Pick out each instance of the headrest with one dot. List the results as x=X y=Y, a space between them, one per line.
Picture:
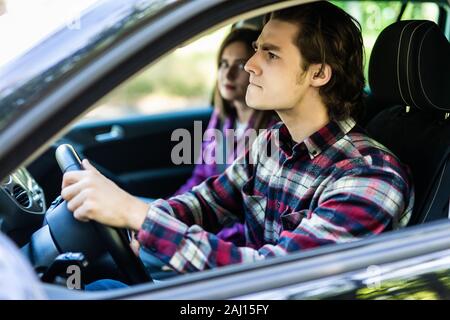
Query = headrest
x=410 y=65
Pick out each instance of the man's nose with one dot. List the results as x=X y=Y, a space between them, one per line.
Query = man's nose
x=252 y=66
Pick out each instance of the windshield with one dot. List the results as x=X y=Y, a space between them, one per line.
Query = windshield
x=61 y=47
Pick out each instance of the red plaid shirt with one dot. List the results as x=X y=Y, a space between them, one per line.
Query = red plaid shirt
x=338 y=185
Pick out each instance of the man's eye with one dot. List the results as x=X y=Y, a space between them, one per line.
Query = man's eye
x=272 y=56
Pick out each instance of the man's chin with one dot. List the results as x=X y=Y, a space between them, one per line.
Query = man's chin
x=257 y=106
x=254 y=103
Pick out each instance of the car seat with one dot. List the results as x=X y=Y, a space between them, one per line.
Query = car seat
x=409 y=69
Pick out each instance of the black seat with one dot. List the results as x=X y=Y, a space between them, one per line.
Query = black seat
x=410 y=69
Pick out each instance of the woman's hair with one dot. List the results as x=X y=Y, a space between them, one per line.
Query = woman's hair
x=225 y=109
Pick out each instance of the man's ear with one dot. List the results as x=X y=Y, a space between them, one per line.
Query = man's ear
x=320 y=74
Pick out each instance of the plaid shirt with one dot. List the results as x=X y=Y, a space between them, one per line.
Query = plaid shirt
x=338 y=185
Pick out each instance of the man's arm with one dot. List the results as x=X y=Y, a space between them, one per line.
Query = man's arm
x=92 y=196
x=218 y=200
x=357 y=205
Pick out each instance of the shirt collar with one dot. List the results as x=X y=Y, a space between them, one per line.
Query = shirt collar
x=319 y=140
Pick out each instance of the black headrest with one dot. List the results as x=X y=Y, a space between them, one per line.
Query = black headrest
x=410 y=65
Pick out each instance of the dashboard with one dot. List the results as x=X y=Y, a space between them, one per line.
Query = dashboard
x=22 y=205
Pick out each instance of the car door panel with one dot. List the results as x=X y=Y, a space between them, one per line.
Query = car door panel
x=134 y=152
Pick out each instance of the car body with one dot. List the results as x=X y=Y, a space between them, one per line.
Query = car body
x=46 y=89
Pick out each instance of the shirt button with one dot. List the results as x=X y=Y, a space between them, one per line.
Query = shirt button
x=314 y=152
x=278 y=204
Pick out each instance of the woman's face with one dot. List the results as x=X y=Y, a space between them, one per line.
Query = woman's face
x=232 y=78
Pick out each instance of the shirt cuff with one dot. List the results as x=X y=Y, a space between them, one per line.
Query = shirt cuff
x=161 y=233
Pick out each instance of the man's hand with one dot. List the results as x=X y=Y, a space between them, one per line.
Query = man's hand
x=92 y=196
x=134 y=244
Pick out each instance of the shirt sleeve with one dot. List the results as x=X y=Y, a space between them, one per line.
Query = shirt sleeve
x=172 y=229
x=360 y=203
x=213 y=204
x=363 y=202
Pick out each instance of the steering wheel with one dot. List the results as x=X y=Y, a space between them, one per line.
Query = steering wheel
x=71 y=235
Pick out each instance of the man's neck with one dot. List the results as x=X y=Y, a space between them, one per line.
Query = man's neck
x=305 y=119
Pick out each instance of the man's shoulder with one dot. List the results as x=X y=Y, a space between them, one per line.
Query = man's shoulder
x=359 y=144
x=357 y=149
x=359 y=155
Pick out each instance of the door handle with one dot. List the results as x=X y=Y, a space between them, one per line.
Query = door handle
x=116 y=133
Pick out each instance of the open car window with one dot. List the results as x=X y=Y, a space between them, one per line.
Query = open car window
x=135 y=151
x=185 y=78
x=181 y=80
x=374 y=16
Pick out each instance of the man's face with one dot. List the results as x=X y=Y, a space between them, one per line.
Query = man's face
x=277 y=80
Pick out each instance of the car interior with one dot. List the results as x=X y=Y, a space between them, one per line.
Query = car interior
x=409 y=70
x=407 y=110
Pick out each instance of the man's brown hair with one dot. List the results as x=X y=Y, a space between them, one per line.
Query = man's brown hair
x=329 y=35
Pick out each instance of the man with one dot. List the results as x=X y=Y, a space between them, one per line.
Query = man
x=328 y=183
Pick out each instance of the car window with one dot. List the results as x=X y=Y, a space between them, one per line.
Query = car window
x=181 y=80
x=375 y=16
x=68 y=48
x=33 y=21
x=185 y=78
